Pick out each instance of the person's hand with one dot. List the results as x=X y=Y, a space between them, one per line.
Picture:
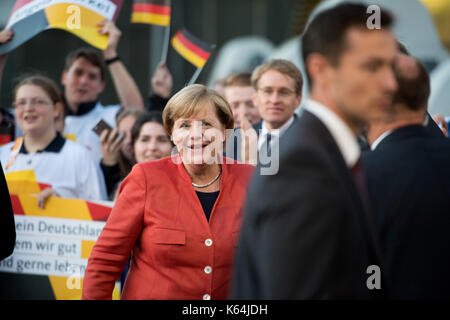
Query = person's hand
x=44 y=195
x=440 y=121
x=162 y=81
x=109 y=28
x=111 y=143
x=6 y=35
x=249 y=145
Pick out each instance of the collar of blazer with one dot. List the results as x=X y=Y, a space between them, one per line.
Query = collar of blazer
x=408 y=132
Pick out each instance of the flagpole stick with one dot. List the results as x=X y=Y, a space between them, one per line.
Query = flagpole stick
x=195 y=76
x=165 y=44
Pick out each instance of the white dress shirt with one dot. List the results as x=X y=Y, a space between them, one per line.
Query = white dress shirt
x=379 y=139
x=341 y=133
x=276 y=133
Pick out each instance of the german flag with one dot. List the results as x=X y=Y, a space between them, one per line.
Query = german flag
x=151 y=12
x=192 y=49
x=30 y=17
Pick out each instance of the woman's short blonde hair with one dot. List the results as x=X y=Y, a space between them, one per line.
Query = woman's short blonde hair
x=190 y=100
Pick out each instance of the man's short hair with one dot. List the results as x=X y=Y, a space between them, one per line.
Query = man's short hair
x=95 y=57
x=282 y=66
x=326 y=33
x=413 y=92
x=243 y=79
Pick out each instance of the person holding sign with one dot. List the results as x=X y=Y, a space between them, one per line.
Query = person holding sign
x=84 y=77
x=178 y=217
x=42 y=161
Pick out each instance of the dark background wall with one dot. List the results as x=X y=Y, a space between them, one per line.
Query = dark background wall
x=214 y=21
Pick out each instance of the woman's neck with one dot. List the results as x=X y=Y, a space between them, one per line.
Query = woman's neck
x=34 y=141
x=203 y=174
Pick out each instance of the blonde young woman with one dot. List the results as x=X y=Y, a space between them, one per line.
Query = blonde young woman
x=179 y=216
x=61 y=167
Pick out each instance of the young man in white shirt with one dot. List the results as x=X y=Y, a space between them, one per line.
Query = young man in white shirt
x=83 y=79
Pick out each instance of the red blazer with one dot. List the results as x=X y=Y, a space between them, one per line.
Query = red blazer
x=176 y=253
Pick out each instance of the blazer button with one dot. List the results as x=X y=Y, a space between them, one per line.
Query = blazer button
x=208 y=242
x=208 y=269
x=206 y=297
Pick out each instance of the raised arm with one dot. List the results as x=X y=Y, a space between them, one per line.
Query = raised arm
x=5 y=36
x=125 y=86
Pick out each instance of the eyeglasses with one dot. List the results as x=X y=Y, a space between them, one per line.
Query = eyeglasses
x=283 y=92
x=35 y=102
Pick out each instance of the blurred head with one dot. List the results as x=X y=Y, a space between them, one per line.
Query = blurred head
x=278 y=88
x=149 y=138
x=37 y=103
x=125 y=121
x=413 y=84
x=349 y=67
x=83 y=77
x=197 y=118
x=238 y=91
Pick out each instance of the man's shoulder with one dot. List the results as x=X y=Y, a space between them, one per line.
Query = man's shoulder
x=306 y=132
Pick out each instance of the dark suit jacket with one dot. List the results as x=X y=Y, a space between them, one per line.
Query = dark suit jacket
x=408 y=176
x=7 y=226
x=305 y=233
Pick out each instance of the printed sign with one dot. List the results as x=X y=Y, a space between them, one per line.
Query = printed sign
x=80 y=17
x=52 y=248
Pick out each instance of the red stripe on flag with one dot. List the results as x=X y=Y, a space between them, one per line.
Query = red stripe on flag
x=16 y=206
x=192 y=47
x=19 y=4
x=44 y=186
x=5 y=138
x=98 y=212
x=151 y=8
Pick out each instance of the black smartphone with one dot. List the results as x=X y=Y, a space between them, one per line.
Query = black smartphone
x=100 y=126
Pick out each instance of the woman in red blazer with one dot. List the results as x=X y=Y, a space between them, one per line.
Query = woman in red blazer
x=179 y=217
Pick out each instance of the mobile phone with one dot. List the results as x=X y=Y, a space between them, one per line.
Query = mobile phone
x=100 y=126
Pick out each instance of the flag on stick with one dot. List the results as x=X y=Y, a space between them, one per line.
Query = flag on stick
x=151 y=12
x=190 y=48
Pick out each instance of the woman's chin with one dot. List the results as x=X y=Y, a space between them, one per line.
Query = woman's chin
x=198 y=157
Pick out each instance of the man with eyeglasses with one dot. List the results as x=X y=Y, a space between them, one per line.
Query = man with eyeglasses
x=278 y=88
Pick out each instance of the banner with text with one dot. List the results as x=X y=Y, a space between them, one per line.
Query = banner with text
x=79 y=17
x=52 y=247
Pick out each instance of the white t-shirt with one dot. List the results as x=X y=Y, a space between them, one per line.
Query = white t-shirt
x=66 y=166
x=81 y=126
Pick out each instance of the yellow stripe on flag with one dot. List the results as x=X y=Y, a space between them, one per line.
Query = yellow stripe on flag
x=67 y=288
x=187 y=54
x=143 y=17
x=86 y=248
x=78 y=20
x=56 y=208
x=23 y=181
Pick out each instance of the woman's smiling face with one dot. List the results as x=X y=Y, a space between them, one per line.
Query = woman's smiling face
x=35 y=110
x=199 y=138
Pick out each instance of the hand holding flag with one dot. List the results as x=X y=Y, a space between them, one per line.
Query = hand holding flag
x=155 y=12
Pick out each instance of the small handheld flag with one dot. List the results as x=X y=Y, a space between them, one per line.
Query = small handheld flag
x=151 y=12
x=190 y=48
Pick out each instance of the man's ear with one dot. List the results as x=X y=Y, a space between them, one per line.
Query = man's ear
x=63 y=77
x=317 y=66
x=255 y=98
x=103 y=86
